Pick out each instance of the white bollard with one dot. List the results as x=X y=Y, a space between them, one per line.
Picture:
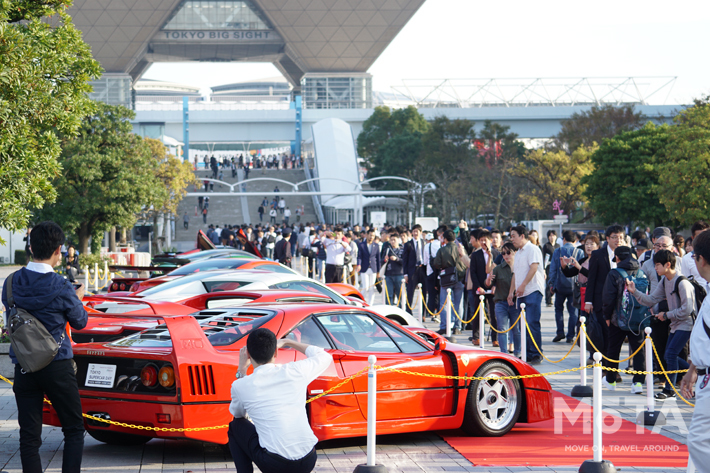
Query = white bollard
x=306 y=274
x=597 y=420
x=448 y=313
x=371 y=466
x=420 y=295
x=523 y=334
x=582 y=390
x=650 y=416
x=96 y=277
x=481 y=322
x=403 y=296
x=322 y=271
x=597 y=465
x=86 y=278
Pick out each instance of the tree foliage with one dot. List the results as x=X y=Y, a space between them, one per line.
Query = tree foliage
x=554 y=175
x=44 y=72
x=684 y=165
x=174 y=174
x=385 y=158
x=599 y=122
x=109 y=175
x=622 y=187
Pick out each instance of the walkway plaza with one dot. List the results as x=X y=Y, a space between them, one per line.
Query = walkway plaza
x=420 y=452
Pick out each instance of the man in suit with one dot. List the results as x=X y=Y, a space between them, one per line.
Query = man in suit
x=414 y=269
x=600 y=263
x=282 y=248
x=368 y=264
x=480 y=265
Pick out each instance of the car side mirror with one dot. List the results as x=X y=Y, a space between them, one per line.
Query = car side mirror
x=439 y=345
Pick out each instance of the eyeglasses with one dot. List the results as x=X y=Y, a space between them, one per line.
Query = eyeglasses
x=658 y=245
x=506 y=253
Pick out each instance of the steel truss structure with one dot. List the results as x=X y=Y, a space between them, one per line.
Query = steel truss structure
x=531 y=92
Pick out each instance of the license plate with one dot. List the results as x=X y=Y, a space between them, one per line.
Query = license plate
x=100 y=376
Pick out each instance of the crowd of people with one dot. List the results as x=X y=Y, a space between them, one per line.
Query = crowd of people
x=246 y=162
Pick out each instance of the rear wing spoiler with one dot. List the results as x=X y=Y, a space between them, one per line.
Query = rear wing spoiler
x=158 y=308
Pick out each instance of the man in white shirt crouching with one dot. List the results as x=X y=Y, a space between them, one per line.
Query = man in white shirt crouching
x=280 y=438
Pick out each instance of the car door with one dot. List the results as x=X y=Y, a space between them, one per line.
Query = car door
x=399 y=396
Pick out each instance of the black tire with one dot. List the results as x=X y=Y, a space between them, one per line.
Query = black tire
x=118 y=438
x=492 y=412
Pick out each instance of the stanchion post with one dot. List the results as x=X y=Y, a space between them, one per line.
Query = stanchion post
x=523 y=334
x=322 y=271
x=403 y=296
x=96 y=277
x=650 y=416
x=481 y=322
x=598 y=465
x=582 y=390
x=86 y=278
x=306 y=275
x=448 y=313
x=420 y=295
x=371 y=466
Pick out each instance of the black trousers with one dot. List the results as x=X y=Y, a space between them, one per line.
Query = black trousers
x=432 y=291
x=333 y=273
x=246 y=450
x=614 y=342
x=58 y=382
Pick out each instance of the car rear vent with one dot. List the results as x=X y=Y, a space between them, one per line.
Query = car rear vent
x=201 y=380
x=208 y=313
x=158 y=333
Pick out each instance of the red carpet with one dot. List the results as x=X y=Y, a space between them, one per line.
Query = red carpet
x=538 y=444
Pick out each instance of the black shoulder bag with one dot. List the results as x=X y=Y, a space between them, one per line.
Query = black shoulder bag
x=33 y=345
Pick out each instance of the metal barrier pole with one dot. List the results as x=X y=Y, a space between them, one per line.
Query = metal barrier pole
x=523 y=334
x=481 y=322
x=403 y=296
x=650 y=416
x=96 y=277
x=306 y=275
x=582 y=390
x=322 y=271
x=86 y=278
x=371 y=465
x=597 y=465
x=448 y=313
x=420 y=295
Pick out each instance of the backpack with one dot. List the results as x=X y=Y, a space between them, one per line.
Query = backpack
x=631 y=315
x=698 y=289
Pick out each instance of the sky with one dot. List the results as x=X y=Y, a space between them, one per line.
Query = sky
x=474 y=39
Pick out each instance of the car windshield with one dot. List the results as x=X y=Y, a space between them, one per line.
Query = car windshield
x=211 y=264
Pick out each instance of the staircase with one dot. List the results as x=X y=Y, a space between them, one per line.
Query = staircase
x=237 y=210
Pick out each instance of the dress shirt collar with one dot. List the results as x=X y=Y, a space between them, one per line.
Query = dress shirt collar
x=41 y=268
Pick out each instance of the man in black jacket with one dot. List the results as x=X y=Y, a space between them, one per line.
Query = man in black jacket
x=414 y=270
x=282 y=250
x=548 y=249
x=600 y=263
x=54 y=302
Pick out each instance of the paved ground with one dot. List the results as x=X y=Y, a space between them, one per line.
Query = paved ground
x=422 y=452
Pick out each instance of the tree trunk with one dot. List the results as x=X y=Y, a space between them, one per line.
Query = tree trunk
x=84 y=233
x=123 y=236
x=112 y=239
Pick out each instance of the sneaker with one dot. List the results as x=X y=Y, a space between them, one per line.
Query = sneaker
x=637 y=388
x=457 y=331
x=608 y=385
x=558 y=338
x=663 y=395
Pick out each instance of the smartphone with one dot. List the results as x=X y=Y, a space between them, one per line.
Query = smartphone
x=76 y=285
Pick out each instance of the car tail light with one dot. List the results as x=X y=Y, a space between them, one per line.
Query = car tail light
x=166 y=376
x=123 y=287
x=134 y=287
x=149 y=375
x=114 y=287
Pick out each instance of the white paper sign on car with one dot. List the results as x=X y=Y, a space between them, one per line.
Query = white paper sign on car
x=100 y=376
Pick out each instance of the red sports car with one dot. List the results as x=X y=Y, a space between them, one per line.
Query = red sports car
x=178 y=375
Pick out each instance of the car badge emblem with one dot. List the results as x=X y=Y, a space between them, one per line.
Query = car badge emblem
x=464 y=359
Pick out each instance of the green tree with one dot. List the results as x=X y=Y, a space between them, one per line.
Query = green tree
x=597 y=123
x=684 y=165
x=382 y=158
x=622 y=186
x=44 y=72
x=109 y=176
x=554 y=175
